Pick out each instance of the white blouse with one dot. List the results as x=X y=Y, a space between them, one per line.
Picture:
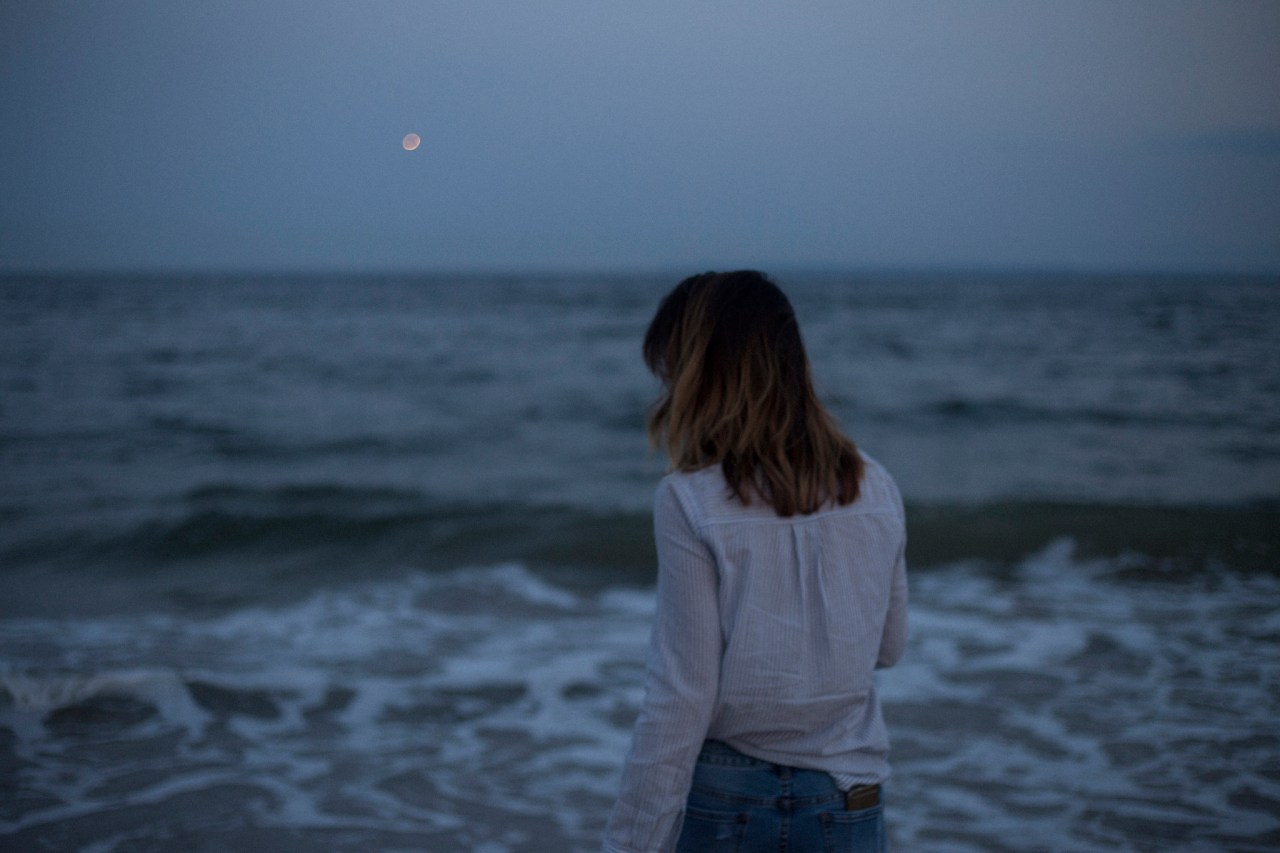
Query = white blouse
x=767 y=632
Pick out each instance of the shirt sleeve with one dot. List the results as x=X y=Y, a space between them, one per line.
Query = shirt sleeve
x=681 y=682
x=893 y=641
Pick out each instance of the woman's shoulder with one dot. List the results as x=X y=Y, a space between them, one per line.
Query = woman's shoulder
x=873 y=470
x=698 y=488
x=878 y=485
x=705 y=496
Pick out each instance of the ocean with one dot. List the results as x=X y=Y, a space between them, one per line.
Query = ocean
x=342 y=562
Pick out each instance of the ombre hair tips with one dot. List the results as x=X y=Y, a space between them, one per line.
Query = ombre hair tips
x=737 y=392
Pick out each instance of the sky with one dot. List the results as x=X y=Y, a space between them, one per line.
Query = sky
x=572 y=136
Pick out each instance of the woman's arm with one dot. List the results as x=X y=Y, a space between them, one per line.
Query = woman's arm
x=683 y=672
x=893 y=641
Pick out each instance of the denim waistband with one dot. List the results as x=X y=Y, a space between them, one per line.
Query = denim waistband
x=729 y=776
x=719 y=752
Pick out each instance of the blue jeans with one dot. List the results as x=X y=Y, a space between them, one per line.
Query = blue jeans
x=746 y=805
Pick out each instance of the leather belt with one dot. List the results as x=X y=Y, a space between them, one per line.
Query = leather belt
x=862 y=797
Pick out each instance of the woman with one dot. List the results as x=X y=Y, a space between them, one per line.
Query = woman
x=781 y=587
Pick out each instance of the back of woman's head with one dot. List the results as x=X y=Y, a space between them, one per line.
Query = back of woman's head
x=736 y=392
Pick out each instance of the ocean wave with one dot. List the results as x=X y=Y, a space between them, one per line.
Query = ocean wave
x=490 y=708
x=234 y=519
x=238 y=542
x=1006 y=411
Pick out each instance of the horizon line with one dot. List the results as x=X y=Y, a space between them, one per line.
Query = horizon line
x=638 y=271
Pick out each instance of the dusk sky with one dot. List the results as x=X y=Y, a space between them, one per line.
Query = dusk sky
x=266 y=135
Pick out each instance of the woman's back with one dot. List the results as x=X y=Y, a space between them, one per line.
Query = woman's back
x=806 y=612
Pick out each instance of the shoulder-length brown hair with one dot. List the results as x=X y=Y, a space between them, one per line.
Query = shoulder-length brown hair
x=736 y=392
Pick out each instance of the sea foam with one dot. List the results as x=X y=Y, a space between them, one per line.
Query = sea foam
x=1061 y=702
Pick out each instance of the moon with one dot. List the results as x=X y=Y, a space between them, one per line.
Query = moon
x=411 y=141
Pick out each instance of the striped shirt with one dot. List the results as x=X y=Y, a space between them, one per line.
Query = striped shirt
x=767 y=633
